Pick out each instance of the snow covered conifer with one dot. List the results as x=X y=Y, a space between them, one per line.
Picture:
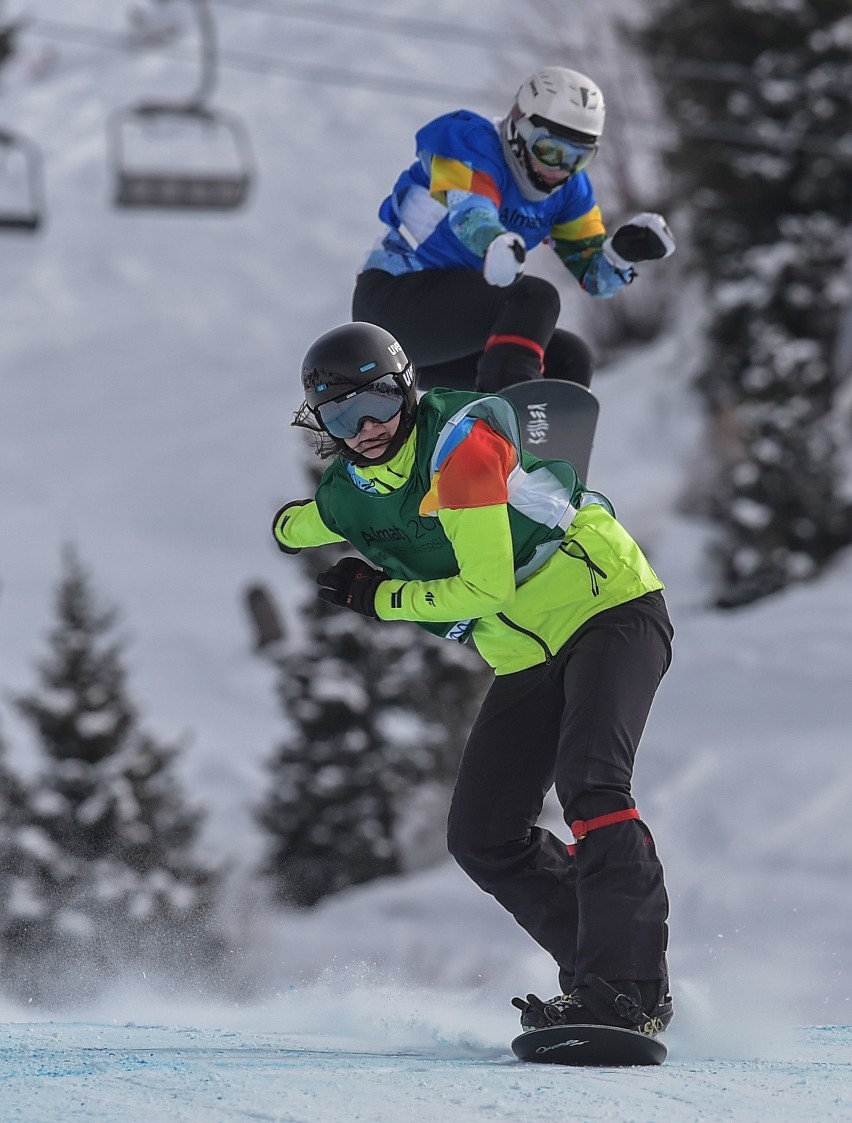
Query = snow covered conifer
x=781 y=498
x=15 y=861
x=375 y=716
x=112 y=879
x=761 y=96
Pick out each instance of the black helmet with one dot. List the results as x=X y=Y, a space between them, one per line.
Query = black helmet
x=339 y=367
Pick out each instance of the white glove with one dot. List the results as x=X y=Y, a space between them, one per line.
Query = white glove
x=504 y=259
x=646 y=237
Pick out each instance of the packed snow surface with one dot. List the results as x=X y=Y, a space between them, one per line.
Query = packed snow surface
x=149 y=374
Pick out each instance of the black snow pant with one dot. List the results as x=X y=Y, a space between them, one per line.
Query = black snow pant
x=465 y=334
x=576 y=723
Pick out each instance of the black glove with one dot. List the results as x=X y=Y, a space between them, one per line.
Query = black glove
x=646 y=237
x=351 y=583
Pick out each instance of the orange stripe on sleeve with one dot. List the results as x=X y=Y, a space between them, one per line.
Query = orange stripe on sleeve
x=475 y=474
x=453 y=175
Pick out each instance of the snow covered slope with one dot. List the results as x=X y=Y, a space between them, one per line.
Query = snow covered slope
x=406 y=1064
x=148 y=372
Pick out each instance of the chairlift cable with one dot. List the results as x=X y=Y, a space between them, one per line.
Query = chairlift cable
x=253 y=62
x=483 y=38
x=257 y=63
x=408 y=26
x=706 y=70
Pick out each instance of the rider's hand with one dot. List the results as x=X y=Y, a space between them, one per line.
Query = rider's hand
x=351 y=583
x=646 y=237
x=504 y=259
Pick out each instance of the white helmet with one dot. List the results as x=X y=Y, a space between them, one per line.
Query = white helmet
x=566 y=100
x=557 y=120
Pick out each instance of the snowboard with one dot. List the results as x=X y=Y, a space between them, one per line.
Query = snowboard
x=588 y=1045
x=558 y=420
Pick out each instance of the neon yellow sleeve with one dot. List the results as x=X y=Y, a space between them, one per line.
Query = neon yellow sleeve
x=299 y=524
x=485 y=584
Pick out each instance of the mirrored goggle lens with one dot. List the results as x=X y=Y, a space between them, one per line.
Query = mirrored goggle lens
x=380 y=400
x=558 y=153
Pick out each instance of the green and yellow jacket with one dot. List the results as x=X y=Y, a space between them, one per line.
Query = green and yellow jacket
x=478 y=538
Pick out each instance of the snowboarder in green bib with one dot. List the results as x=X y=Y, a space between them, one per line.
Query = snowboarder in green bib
x=473 y=538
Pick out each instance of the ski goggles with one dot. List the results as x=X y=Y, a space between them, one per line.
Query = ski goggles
x=556 y=152
x=380 y=400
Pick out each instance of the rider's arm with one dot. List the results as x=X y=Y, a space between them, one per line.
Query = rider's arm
x=298 y=524
x=579 y=245
x=472 y=200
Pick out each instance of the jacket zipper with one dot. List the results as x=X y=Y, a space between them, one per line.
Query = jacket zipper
x=595 y=571
x=548 y=654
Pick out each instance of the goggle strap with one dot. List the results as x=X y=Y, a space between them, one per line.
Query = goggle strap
x=573 y=136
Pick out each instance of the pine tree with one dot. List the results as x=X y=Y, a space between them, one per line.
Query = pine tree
x=111 y=879
x=15 y=861
x=781 y=496
x=376 y=711
x=762 y=99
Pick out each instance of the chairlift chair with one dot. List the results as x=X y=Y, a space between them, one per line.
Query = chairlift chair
x=211 y=165
x=21 y=184
x=212 y=146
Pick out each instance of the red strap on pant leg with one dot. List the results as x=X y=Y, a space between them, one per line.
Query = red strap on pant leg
x=518 y=341
x=581 y=827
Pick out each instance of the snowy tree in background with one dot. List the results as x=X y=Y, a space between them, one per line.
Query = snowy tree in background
x=378 y=714
x=762 y=98
x=106 y=876
x=16 y=863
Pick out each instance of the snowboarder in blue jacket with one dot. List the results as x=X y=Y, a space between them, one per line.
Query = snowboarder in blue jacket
x=447 y=277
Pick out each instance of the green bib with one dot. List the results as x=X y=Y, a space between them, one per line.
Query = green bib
x=388 y=528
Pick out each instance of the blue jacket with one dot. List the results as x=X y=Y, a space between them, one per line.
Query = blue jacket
x=460 y=194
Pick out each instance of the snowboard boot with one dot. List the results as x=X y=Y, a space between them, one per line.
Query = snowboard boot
x=568 y=358
x=642 y=1006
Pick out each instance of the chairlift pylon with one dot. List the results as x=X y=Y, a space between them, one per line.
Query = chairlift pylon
x=213 y=165
x=21 y=208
